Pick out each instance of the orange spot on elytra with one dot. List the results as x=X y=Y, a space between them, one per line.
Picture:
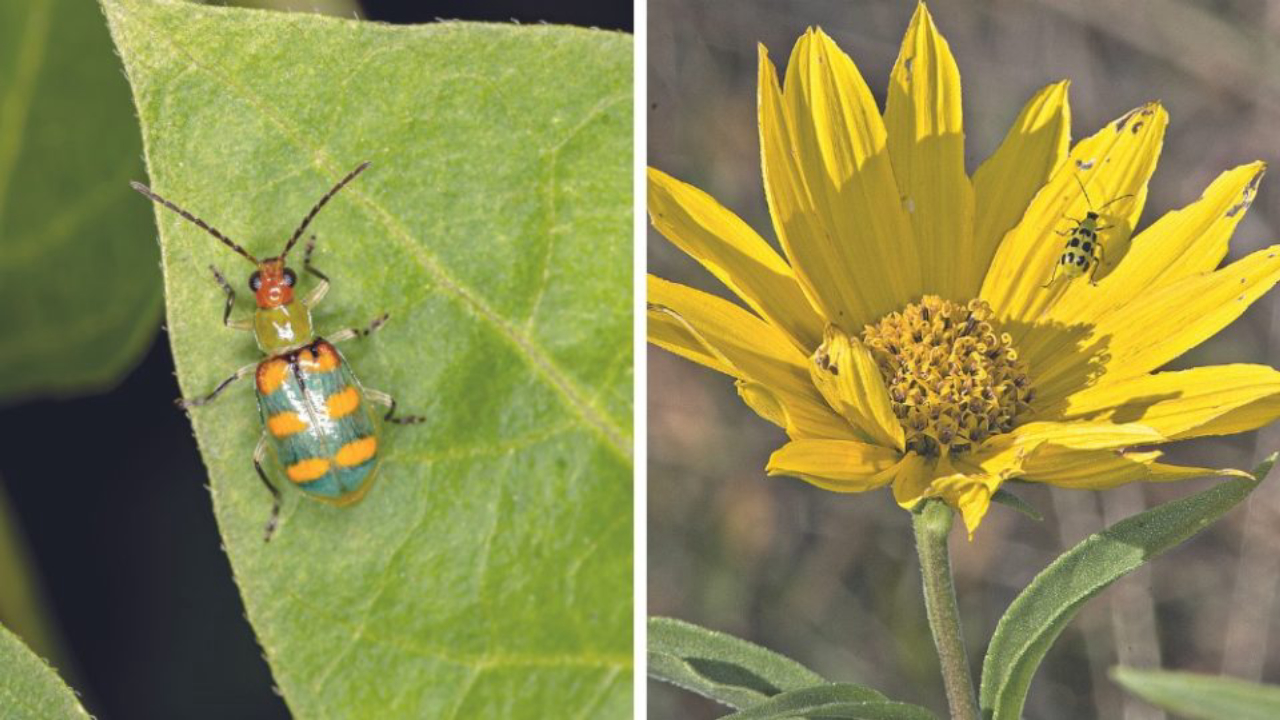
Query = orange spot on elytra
x=307 y=470
x=324 y=359
x=285 y=423
x=357 y=451
x=343 y=403
x=271 y=375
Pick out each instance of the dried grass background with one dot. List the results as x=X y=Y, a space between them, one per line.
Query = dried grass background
x=831 y=580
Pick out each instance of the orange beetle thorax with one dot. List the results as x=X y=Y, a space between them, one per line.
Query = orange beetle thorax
x=274 y=290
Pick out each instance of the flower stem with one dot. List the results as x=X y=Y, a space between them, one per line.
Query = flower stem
x=933 y=525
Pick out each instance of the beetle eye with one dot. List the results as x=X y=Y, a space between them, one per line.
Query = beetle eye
x=290 y=278
x=255 y=281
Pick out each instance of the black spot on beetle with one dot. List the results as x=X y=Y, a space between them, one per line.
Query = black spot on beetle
x=1075 y=242
x=1088 y=247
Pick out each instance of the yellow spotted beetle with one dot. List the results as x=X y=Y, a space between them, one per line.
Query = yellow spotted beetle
x=1083 y=251
x=315 y=418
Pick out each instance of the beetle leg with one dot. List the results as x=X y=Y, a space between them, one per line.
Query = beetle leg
x=349 y=333
x=1093 y=274
x=384 y=399
x=1053 y=275
x=231 y=303
x=258 y=454
x=319 y=291
x=196 y=402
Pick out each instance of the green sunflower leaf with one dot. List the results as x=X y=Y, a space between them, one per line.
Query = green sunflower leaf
x=834 y=701
x=724 y=668
x=1040 y=613
x=1204 y=697
x=30 y=689
x=1008 y=499
x=488 y=571
x=78 y=279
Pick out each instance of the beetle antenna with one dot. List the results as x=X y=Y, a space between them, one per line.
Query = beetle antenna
x=193 y=220
x=1115 y=200
x=1086 y=192
x=315 y=210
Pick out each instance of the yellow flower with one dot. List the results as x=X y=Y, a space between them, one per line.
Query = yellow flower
x=910 y=337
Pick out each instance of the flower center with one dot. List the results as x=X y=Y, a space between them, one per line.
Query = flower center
x=953 y=377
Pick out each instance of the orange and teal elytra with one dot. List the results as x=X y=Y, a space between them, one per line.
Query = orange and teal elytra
x=315 y=418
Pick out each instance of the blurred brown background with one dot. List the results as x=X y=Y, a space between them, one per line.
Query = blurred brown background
x=830 y=579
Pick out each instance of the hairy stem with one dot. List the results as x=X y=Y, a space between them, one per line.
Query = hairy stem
x=932 y=526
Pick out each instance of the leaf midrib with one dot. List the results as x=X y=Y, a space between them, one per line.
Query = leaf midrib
x=539 y=361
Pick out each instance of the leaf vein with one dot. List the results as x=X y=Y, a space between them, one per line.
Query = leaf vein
x=553 y=153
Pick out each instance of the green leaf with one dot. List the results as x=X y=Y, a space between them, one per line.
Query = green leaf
x=1208 y=697
x=882 y=710
x=1041 y=612
x=793 y=703
x=30 y=689
x=488 y=571
x=719 y=666
x=78 y=280
x=836 y=700
x=21 y=607
x=1008 y=499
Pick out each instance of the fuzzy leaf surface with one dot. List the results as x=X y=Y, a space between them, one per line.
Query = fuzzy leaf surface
x=1042 y=611
x=78 y=280
x=29 y=688
x=488 y=571
x=835 y=701
x=719 y=666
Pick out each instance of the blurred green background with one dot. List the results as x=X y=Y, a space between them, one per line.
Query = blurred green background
x=831 y=579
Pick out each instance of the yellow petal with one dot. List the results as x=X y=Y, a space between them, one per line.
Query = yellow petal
x=966 y=488
x=847 y=376
x=1154 y=327
x=1003 y=455
x=1114 y=163
x=911 y=484
x=969 y=494
x=669 y=332
x=765 y=404
x=1216 y=400
x=1180 y=244
x=1104 y=469
x=1005 y=184
x=796 y=220
x=745 y=347
x=735 y=254
x=838 y=465
x=926 y=146
x=840 y=143
x=1082 y=435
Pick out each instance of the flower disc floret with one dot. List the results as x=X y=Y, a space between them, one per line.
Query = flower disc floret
x=954 y=378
